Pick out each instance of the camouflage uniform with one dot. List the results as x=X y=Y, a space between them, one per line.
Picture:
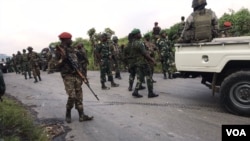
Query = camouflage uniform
x=34 y=59
x=142 y=67
x=14 y=63
x=72 y=81
x=18 y=62
x=104 y=57
x=164 y=53
x=116 y=52
x=25 y=64
x=82 y=58
x=151 y=48
x=156 y=32
x=201 y=25
x=129 y=56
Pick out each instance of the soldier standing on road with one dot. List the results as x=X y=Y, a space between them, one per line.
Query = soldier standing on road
x=142 y=68
x=18 y=62
x=25 y=64
x=104 y=57
x=201 y=25
x=116 y=52
x=164 y=54
x=130 y=61
x=151 y=48
x=34 y=59
x=82 y=58
x=72 y=81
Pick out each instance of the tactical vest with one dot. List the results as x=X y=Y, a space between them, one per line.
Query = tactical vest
x=203 y=25
x=25 y=57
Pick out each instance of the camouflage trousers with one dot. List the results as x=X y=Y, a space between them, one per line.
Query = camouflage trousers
x=73 y=87
x=35 y=70
x=26 y=69
x=105 y=68
x=132 y=73
x=144 y=71
x=165 y=65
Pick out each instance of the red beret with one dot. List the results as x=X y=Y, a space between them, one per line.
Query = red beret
x=65 y=35
x=227 y=24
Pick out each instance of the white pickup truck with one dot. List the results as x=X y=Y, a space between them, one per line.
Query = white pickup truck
x=224 y=66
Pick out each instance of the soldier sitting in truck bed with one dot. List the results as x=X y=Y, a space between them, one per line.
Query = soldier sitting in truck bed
x=201 y=25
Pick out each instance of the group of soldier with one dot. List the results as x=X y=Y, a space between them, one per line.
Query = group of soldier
x=26 y=63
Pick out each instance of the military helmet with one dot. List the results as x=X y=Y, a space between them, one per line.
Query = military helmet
x=135 y=31
x=29 y=48
x=114 y=38
x=197 y=3
x=24 y=50
x=147 y=35
x=104 y=35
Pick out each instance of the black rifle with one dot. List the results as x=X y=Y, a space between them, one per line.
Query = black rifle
x=75 y=66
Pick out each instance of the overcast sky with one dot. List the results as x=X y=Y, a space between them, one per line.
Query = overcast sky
x=37 y=23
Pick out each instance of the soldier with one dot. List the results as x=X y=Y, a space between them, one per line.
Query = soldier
x=82 y=58
x=151 y=48
x=18 y=62
x=14 y=62
x=130 y=61
x=34 y=59
x=72 y=81
x=142 y=67
x=25 y=64
x=51 y=59
x=162 y=44
x=156 y=32
x=104 y=57
x=116 y=52
x=201 y=25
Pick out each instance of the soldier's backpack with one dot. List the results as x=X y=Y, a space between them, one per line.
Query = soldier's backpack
x=203 y=25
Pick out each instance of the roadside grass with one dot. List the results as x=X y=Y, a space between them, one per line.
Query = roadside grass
x=17 y=124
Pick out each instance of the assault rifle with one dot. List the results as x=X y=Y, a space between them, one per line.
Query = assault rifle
x=75 y=66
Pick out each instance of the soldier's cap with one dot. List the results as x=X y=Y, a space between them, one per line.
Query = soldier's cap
x=135 y=31
x=147 y=35
x=227 y=24
x=65 y=35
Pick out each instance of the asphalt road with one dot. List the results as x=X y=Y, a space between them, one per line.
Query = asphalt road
x=184 y=111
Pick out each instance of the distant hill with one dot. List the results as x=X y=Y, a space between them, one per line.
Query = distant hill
x=3 y=56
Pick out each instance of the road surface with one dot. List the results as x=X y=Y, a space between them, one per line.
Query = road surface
x=184 y=111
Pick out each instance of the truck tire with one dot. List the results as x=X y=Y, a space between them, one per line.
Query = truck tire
x=235 y=93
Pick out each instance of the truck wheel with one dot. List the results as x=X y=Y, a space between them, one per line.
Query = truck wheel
x=235 y=93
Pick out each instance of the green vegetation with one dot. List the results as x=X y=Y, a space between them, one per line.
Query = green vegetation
x=16 y=124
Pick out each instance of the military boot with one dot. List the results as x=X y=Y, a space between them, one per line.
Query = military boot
x=25 y=76
x=151 y=94
x=113 y=84
x=83 y=117
x=35 y=79
x=118 y=75
x=164 y=75
x=130 y=87
x=39 y=77
x=170 y=75
x=136 y=94
x=68 y=116
x=104 y=87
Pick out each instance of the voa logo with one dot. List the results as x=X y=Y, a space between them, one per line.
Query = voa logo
x=236 y=132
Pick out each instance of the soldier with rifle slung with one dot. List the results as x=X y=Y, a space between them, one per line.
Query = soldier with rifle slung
x=66 y=64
